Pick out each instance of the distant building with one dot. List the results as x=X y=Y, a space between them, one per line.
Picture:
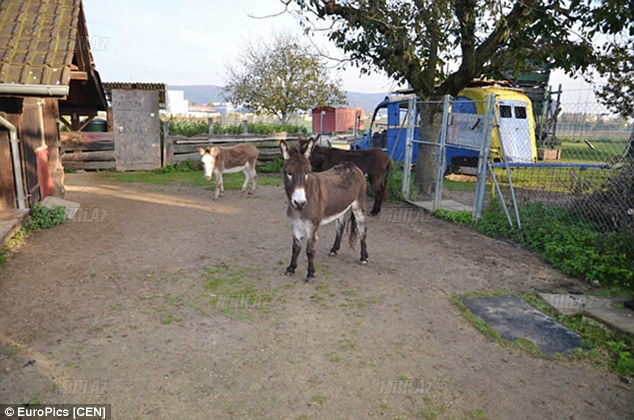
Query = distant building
x=337 y=120
x=176 y=103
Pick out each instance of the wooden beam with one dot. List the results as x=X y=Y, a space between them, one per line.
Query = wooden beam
x=78 y=75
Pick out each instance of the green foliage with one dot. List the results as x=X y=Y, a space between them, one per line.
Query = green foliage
x=273 y=166
x=282 y=78
x=184 y=166
x=43 y=217
x=461 y=217
x=188 y=128
x=192 y=128
x=574 y=246
x=395 y=192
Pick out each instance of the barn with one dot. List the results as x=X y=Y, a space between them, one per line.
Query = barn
x=337 y=120
x=47 y=75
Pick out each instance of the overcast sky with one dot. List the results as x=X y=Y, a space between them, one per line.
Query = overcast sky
x=191 y=41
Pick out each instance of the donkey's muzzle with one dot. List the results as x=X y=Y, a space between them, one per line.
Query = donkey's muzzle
x=298 y=204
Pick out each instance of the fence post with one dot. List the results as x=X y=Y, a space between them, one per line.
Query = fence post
x=210 y=126
x=441 y=156
x=166 y=132
x=169 y=150
x=409 y=144
x=245 y=127
x=483 y=158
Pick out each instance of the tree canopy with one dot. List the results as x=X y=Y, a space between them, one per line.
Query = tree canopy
x=282 y=78
x=413 y=41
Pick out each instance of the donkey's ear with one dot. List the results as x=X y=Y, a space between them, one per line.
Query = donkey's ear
x=308 y=148
x=214 y=151
x=284 y=150
x=201 y=151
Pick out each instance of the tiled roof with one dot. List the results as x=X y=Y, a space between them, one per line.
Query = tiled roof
x=37 y=40
x=160 y=87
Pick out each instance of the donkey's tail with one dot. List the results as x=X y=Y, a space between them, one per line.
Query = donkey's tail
x=385 y=182
x=352 y=236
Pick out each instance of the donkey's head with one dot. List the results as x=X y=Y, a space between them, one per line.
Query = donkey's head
x=208 y=158
x=296 y=169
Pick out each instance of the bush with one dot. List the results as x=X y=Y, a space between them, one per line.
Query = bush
x=578 y=248
x=272 y=166
x=184 y=166
x=195 y=128
x=461 y=217
x=43 y=217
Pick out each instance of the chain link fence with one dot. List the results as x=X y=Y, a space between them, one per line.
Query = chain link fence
x=455 y=157
x=583 y=169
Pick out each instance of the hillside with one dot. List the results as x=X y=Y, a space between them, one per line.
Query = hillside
x=203 y=94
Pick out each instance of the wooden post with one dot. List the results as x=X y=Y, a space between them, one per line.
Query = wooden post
x=166 y=133
x=210 y=126
x=169 y=150
x=245 y=127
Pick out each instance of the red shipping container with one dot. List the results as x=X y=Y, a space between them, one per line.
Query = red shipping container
x=336 y=120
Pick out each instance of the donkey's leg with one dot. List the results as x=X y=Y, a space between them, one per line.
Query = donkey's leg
x=359 y=215
x=254 y=177
x=375 y=181
x=297 y=247
x=247 y=175
x=219 y=187
x=310 y=253
x=340 y=225
x=299 y=236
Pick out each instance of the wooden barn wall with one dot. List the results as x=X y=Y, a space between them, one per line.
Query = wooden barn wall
x=30 y=139
x=51 y=131
x=11 y=109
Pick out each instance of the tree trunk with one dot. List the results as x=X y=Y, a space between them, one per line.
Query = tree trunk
x=427 y=162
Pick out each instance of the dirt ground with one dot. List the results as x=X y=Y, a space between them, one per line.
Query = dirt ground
x=127 y=300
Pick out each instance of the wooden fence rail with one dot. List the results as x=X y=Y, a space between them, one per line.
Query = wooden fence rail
x=181 y=148
x=95 y=151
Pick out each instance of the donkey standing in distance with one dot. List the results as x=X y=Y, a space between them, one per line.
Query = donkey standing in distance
x=218 y=160
x=320 y=198
x=374 y=162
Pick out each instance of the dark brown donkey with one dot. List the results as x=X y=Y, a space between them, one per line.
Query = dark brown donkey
x=218 y=160
x=317 y=199
x=375 y=163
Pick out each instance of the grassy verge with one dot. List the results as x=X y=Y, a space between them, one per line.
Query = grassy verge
x=576 y=247
x=187 y=174
x=599 y=344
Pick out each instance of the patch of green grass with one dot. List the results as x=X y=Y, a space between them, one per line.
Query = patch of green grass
x=235 y=291
x=575 y=246
x=319 y=399
x=334 y=357
x=195 y=178
x=460 y=217
x=348 y=345
x=451 y=185
x=431 y=409
x=12 y=245
x=477 y=414
x=11 y=351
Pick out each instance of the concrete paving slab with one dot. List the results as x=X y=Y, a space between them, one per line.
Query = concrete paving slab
x=512 y=318
x=71 y=206
x=607 y=310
